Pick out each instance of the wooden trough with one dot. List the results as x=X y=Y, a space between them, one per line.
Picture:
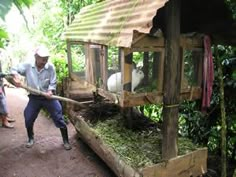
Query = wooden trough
x=192 y=164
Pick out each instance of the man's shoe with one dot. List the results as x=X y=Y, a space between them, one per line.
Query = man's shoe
x=65 y=139
x=67 y=146
x=30 y=134
x=30 y=143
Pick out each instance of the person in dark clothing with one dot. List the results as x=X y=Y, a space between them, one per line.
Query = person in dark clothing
x=40 y=75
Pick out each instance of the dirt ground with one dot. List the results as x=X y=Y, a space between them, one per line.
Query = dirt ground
x=47 y=158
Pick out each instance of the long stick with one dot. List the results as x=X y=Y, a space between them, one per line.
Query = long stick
x=38 y=92
x=9 y=78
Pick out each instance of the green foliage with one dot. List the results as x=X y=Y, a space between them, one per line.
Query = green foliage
x=113 y=58
x=206 y=129
x=5 y=6
x=154 y=112
x=232 y=6
x=78 y=58
x=188 y=67
x=192 y=123
x=3 y=37
x=61 y=68
x=71 y=8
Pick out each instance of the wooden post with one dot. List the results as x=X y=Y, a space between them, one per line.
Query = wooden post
x=68 y=51
x=171 y=81
x=103 y=67
x=126 y=70
x=146 y=68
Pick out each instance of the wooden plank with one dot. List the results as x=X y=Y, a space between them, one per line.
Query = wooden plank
x=145 y=41
x=128 y=99
x=145 y=49
x=193 y=164
x=137 y=37
x=148 y=41
x=190 y=42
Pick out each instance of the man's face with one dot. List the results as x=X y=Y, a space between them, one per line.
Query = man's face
x=40 y=61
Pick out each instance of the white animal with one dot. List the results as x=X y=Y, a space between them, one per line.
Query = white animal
x=114 y=81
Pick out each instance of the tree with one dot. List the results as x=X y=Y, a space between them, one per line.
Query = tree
x=5 y=6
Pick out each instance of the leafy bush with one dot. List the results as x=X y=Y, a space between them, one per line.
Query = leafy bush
x=61 y=68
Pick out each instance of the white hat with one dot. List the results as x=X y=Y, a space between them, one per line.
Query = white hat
x=42 y=51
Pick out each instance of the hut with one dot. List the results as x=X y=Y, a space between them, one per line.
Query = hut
x=111 y=39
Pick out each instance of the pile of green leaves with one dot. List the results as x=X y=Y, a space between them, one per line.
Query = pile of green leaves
x=136 y=148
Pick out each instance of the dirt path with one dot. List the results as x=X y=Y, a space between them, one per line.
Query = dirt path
x=46 y=158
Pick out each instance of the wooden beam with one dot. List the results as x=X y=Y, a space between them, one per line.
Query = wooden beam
x=128 y=99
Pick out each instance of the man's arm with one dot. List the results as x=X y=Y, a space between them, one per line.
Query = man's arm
x=16 y=71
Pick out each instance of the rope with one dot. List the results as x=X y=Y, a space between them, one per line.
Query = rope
x=171 y=105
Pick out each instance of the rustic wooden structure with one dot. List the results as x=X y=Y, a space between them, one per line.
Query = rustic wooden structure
x=96 y=72
x=159 y=27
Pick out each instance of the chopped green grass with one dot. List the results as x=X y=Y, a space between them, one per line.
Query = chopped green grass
x=137 y=148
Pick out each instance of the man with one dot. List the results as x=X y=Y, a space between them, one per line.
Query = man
x=41 y=75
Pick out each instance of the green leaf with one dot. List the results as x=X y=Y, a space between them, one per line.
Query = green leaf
x=234 y=75
x=5 y=6
x=3 y=34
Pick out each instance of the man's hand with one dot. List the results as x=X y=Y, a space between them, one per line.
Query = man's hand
x=16 y=80
x=48 y=94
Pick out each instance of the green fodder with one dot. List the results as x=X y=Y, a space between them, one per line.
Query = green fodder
x=137 y=148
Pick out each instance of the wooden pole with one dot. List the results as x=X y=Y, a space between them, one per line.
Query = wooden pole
x=9 y=78
x=171 y=87
x=38 y=92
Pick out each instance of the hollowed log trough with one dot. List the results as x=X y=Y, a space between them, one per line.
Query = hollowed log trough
x=193 y=164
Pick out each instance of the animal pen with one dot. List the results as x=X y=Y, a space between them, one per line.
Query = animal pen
x=116 y=51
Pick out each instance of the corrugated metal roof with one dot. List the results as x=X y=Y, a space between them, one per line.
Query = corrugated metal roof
x=112 y=22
